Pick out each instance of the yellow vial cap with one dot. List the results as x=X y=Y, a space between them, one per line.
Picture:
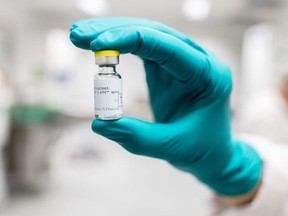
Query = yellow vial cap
x=107 y=53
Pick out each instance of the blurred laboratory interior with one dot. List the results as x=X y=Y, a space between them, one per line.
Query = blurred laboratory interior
x=52 y=164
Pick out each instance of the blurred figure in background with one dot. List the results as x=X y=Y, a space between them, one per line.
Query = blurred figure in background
x=5 y=104
x=265 y=112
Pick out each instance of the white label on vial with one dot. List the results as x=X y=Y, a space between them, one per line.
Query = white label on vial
x=108 y=97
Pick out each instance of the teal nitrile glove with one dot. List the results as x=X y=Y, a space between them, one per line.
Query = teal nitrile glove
x=189 y=91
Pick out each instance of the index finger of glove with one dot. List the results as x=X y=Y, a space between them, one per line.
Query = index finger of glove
x=83 y=32
x=184 y=62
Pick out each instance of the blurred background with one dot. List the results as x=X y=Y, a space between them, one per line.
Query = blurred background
x=52 y=164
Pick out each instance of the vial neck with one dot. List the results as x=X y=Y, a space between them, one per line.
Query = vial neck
x=107 y=69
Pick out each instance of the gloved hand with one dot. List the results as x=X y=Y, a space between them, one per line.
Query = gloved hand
x=189 y=92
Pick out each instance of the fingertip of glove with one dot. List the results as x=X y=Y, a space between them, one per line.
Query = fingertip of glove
x=99 y=125
x=74 y=33
x=77 y=40
x=73 y=27
x=117 y=130
x=125 y=125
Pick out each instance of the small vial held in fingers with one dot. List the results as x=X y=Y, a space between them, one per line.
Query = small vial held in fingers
x=107 y=86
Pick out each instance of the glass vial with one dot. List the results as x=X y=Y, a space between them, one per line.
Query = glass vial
x=107 y=86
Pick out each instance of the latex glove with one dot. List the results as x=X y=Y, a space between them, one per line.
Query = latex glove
x=189 y=92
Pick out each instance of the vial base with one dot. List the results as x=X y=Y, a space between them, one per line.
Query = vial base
x=110 y=117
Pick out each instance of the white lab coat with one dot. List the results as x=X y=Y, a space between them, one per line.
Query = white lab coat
x=272 y=198
x=265 y=114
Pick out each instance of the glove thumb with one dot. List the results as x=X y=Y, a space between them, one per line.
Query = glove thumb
x=136 y=136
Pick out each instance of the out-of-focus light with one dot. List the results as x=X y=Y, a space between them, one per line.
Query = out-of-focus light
x=196 y=10
x=93 y=7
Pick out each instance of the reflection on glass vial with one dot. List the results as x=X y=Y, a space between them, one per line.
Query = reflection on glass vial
x=107 y=86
